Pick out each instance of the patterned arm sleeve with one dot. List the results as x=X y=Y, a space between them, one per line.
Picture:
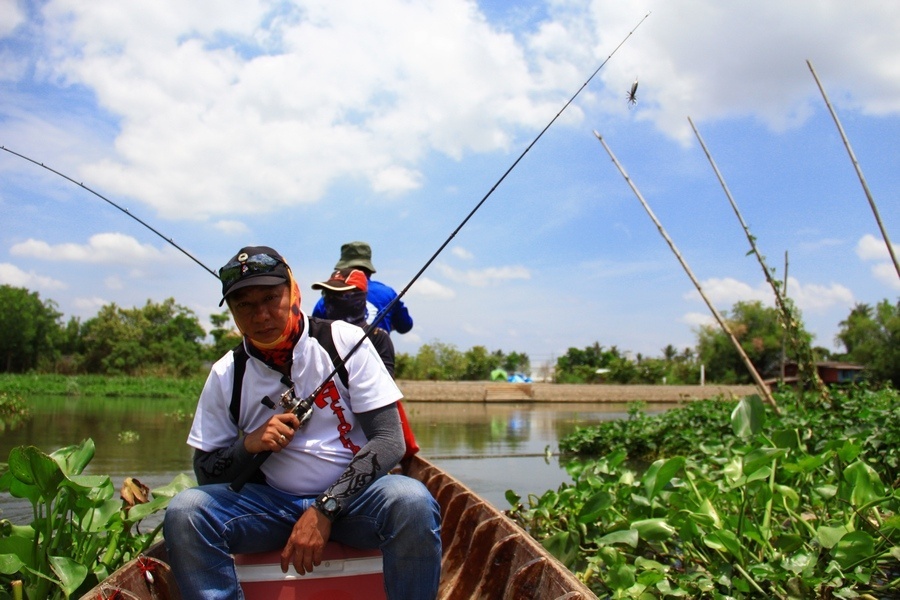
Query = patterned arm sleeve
x=384 y=449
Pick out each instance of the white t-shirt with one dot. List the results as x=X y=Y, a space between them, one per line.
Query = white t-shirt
x=322 y=449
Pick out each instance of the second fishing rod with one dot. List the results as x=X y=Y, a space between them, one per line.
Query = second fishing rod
x=303 y=407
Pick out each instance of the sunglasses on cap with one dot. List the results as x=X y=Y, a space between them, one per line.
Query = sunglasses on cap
x=258 y=264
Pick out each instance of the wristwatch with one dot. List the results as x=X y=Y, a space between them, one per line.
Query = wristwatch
x=328 y=506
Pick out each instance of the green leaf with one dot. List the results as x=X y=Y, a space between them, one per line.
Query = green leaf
x=653 y=530
x=563 y=545
x=854 y=547
x=73 y=459
x=182 y=482
x=724 y=540
x=620 y=577
x=513 y=498
x=70 y=573
x=629 y=537
x=31 y=466
x=791 y=495
x=10 y=564
x=595 y=506
x=866 y=483
x=760 y=457
x=99 y=518
x=660 y=473
x=748 y=416
x=829 y=537
x=141 y=511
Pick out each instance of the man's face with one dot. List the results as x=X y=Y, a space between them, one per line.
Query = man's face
x=261 y=311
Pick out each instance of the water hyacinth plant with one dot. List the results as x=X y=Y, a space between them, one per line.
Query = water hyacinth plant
x=81 y=530
x=803 y=507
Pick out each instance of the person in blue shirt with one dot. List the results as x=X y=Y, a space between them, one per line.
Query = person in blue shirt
x=358 y=255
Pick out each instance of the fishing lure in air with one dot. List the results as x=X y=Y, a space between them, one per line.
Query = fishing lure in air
x=632 y=93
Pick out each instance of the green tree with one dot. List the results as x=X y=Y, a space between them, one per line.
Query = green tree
x=158 y=338
x=29 y=330
x=435 y=362
x=580 y=365
x=872 y=338
x=757 y=329
x=224 y=336
x=479 y=363
x=516 y=362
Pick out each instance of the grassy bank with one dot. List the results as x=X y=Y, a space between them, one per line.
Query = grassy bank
x=32 y=385
x=37 y=385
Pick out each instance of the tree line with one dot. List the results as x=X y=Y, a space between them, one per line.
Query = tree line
x=167 y=339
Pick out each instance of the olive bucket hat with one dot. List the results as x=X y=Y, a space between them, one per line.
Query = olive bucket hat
x=356 y=254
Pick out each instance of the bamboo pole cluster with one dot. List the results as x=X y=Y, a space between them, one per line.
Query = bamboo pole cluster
x=799 y=342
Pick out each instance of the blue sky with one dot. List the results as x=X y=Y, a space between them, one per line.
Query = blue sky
x=304 y=125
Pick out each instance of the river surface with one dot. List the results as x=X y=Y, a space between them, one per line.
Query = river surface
x=491 y=448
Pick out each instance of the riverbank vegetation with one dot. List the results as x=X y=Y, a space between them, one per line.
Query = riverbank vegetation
x=82 y=531
x=723 y=500
x=167 y=340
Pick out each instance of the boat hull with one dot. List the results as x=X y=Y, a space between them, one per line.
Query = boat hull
x=485 y=556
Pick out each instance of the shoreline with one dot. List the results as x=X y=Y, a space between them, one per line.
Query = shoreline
x=489 y=391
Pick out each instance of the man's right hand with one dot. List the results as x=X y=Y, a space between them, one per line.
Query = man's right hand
x=274 y=435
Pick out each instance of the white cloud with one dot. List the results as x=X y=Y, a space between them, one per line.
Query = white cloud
x=220 y=103
x=871 y=249
x=89 y=306
x=113 y=283
x=695 y=57
x=431 y=289
x=11 y=16
x=887 y=273
x=16 y=277
x=231 y=227
x=485 y=277
x=216 y=105
x=460 y=252
x=818 y=298
x=695 y=319
x=101 y=248
x=724 y=293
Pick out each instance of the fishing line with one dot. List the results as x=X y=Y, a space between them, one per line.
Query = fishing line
x=260 y=458
x=124 y=210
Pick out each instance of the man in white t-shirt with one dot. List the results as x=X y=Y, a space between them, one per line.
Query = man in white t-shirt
x=326 y=479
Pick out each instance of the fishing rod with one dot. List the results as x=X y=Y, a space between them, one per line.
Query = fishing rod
x=289 y=401
x=303 y=408
x=107 y=200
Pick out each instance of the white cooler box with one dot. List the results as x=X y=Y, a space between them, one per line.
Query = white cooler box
x=345 y=574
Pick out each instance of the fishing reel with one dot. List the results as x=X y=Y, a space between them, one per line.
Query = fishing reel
x=302 y=408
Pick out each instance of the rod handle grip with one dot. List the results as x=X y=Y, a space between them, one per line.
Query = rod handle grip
x=252 y=467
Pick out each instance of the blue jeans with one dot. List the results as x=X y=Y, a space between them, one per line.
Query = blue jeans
x=205 y=525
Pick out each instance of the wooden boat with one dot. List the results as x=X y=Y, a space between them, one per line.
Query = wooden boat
x=485 y=555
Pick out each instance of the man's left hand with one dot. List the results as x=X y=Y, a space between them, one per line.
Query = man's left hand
x=305 y=547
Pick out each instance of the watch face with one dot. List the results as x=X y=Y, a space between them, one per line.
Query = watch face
x=330 y=504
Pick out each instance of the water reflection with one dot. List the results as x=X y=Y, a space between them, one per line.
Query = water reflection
x=489 y=447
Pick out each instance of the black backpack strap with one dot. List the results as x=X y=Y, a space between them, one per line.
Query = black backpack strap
x=320 y=329
x=240 y=365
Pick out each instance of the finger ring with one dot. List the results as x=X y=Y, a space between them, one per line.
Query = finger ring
x=283 y=439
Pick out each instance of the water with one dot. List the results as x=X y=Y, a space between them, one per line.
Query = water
x=489 y=447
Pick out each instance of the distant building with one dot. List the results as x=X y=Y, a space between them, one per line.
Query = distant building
x=830 y=372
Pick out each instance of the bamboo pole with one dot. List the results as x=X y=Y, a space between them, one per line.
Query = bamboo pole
x=806 y=362
x=859 y=172
x=760 y=384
